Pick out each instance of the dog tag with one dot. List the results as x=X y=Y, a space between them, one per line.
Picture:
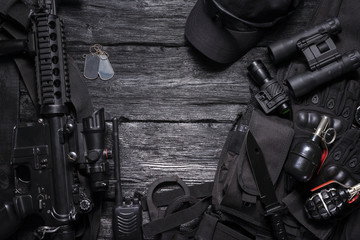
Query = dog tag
x=91 y=66
x=106 y=71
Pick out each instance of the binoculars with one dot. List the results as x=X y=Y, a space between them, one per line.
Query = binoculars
x=324 y=61
x=321 y=54
x=284 y=49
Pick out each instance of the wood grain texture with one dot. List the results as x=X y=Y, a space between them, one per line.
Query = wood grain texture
x=149 y=151
x=166 y=80
x=149 y=22
x=166 y=84
x=155 y=84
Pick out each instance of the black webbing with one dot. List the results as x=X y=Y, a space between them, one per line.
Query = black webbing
x=165 y=198
x=16 y=12
x=9 y=107
x=176 y=219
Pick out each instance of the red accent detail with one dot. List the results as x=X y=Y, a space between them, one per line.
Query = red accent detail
x=322 y=185
x=106 y=153
x=353 y=199
x=323 y=157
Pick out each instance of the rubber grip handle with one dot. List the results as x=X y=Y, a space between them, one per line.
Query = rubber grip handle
x=278 y=227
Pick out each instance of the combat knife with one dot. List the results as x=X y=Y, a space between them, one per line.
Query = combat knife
x=268 y=198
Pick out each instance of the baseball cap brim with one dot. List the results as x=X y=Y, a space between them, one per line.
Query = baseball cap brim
x=220 y=44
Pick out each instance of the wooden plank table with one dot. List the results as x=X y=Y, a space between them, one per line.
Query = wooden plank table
x=177 y=105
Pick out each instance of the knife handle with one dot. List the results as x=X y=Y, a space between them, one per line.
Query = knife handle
x=278 y=226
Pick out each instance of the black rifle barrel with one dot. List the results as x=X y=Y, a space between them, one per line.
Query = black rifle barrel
x=53 y=86
x=61 y=175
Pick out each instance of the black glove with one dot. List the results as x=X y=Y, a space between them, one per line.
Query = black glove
x=339 y=99
x=343 y=161
x=338 y=102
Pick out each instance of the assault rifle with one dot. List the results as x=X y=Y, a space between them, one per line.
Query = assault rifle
x=60 y=165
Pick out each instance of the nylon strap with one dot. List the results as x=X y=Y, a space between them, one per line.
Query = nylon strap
x=176 y=219
x=212 y=229
x=9 y=91
x=162 y=199
x=16 y=12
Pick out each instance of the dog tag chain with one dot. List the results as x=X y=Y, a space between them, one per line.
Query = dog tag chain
x=97 y=64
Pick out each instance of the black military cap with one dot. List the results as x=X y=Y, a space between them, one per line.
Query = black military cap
x=224 y=30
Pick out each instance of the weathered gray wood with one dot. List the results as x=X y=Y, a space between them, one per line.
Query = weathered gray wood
x=149 y=151
x=154 y=83
x=147 y=22
x=159 y=81
x=179 y=106
x=168 y=84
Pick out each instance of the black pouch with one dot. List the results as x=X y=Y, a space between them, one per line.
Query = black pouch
x=274 y=136
x=212 y=229
x=235 y=191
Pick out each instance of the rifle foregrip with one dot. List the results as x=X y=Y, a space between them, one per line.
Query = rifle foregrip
x=10 y=220
x=278 y=227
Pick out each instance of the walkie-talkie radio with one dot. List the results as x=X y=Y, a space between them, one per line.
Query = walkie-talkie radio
x=127 y=215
